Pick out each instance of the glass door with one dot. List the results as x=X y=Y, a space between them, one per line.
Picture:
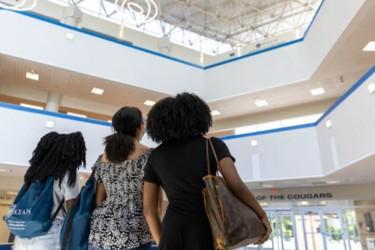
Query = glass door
x=313 y=227
x=334 y=230
x=287 y=231
x=352 y=230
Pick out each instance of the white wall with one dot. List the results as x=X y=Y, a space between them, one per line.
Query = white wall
x=20 y=131
x=352 y=135
x=285 y=155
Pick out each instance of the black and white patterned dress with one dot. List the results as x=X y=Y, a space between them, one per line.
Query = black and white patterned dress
x=118 y=223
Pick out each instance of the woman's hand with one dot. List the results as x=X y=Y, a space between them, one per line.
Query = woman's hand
x=268 y=227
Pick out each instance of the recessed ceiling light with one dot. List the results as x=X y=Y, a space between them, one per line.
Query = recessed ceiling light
x=317 y=91
x=263 y=204
x=201 y=58
x=97 y=91
x=304 y=203
x=31 y=106
x=109 y=121
x=70 y=36
x=328 y=123
x=50 y=124
x=369 y=47
x=215 y=112
x=238 y=51
x=77 y=115
x=332 y=182
x=149 y=103
x=32 y=76
x=260 y=102
x=254 y=143
x=371 y=88
x=12 y=193
x=267 y=185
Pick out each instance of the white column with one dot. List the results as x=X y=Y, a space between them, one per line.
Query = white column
x=53 y=101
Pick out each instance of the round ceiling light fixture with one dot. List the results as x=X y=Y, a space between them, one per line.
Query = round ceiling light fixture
x=23 y=5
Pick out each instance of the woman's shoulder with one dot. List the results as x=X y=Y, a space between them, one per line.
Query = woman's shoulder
x=216 y=140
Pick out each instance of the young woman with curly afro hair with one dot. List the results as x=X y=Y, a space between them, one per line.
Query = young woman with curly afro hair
x=178 y=165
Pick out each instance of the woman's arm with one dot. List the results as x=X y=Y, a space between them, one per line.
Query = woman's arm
x=101 y=194
x=235 y=184
x=150 y=209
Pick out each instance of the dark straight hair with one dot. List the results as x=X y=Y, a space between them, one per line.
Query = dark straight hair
x=125 y=122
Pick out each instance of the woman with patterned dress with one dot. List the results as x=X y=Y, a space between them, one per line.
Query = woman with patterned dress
x=118 y=221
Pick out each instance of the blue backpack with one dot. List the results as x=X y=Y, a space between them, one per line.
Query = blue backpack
x=30 y=214
x=76 y=228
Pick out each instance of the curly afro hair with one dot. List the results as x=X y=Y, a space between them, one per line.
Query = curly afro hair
x=178 y=118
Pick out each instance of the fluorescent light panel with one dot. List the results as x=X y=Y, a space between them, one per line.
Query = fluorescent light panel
x=32 y=76
x=371 y=88
x=267 y=185
x=215 y=112
x=97 y=91
x=260 y=103
x=149 y=103
x=50 y=124
x=370 y=47
x=317 y=91
x=31 y=106
x=332 y=182
x=77 y=115
x=70 y=36
x=329 y=124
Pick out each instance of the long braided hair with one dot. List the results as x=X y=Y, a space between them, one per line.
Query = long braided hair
x=55 y=155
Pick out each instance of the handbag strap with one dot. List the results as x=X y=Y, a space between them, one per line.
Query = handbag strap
x=211 y=145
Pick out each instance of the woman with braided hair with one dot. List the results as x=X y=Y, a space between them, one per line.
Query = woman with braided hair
x=58 y=156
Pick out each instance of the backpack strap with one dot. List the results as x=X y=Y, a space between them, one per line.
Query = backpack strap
x=72 y=212
x=61 y=206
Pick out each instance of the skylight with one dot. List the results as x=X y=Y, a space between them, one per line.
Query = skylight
x=269 y=22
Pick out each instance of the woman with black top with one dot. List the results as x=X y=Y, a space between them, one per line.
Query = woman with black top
x=178 y=166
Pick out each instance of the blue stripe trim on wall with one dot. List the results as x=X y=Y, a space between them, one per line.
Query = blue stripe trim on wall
x=363 y=79
x=270 y=131
x=130 y=45
x=54 y=114
x=348 y=93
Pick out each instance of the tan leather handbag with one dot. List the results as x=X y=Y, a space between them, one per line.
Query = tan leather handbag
x=233 y=223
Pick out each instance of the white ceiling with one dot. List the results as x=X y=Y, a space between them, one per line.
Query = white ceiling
x=73 y=84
